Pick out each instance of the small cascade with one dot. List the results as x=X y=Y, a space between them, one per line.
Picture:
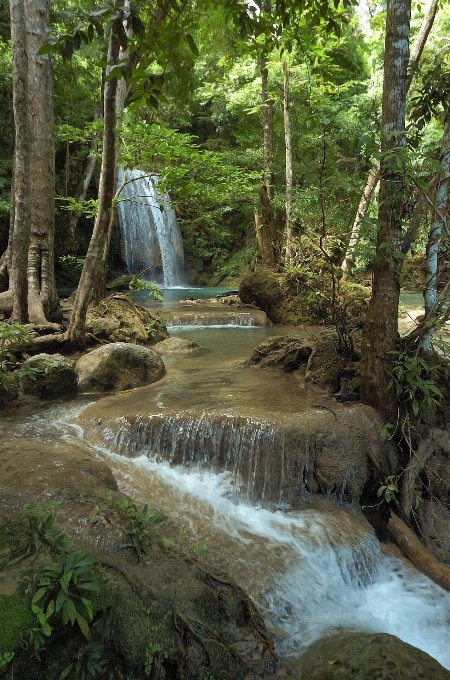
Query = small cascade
x=151 y=236
x=216 y=319
x=249 y=451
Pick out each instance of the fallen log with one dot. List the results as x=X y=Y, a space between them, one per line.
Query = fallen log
x=419 y=555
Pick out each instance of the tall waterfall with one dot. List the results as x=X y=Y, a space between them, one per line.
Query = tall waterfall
x=151 y=236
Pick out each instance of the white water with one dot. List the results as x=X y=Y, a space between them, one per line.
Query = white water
x=312 y=573
x=152 y=240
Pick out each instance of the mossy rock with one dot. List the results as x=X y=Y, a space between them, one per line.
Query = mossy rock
x=120 y=319
x=16 y=619
x=301 y=297
x=50 y=376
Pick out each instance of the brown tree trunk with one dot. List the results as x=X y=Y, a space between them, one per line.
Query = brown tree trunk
x=288 y=145
x=20 y=231
x=381 y=323
x=42 y=296
x=76 y=331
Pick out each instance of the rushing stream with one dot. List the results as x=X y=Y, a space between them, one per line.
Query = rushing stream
x=312 y=571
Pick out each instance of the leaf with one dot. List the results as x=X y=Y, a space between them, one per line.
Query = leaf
x=61 y=598
x=38 y=595
x=192 y=45
x=90 y=585
x=89 y=608
x=84 y=626
x=50 y=609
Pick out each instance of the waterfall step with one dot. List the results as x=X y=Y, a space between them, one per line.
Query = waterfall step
x=215 y=317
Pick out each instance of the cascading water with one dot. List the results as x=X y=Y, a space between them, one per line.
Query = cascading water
x=151 y=236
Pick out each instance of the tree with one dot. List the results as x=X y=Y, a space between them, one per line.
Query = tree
x=375 y=172
x=381 y=322
x=28 y=262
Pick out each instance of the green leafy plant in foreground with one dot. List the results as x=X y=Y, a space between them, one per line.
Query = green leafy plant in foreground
x=389 y=489
x=140 y=525
x=414 y=381
x=5 y=659
x=59 y=589
x=13 y=335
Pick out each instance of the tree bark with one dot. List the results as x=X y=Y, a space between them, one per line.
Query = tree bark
x=268 y=229
x=381 y=323
x=76 y=331
x=374 y=175
x=430 y=295
x=42 y=296
x=20 y=231
x=419 y=555
x=288 y=145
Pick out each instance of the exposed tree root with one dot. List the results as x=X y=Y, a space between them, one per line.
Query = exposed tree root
x=419 y=555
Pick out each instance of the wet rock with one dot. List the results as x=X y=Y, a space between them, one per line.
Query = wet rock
x=119 y=319
x=118 y=366
x=263 y=289
x=284 y=353
x=178 y=347
x=366 y=656
x=49 y=376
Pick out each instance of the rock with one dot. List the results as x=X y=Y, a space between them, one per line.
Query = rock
x=177 y=346
x=118 y=366
x=284 y=353
x=365 y=656
x=120 y=319
x=291 y=299
x=50 y=376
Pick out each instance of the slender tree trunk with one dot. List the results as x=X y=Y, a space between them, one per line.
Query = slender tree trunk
x=374 y=175
x=381 y=323
x=22 y=164
x=288 y=145
x=42 y=295
x=431 y=271
x=420 y=211
x=76 y=331
x=268 y=228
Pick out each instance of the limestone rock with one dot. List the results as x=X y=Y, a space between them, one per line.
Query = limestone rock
x=177 y=346
x=51 y=376
x=118 y=366
x=282 y=352
x=367 y=655
x=120 y=319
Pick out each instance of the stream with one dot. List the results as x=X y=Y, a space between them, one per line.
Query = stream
x=312 y=570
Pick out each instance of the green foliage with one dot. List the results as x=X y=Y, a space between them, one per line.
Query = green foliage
x=16 y=619
x=153 y=649
x=414 y=380
x=138 y=283
x=5 y=658
x=13 y=335
x=141 y=526
x=59 y=588
x=90 y=663
x=88 y=207
x=388 y=490
x=72 y=265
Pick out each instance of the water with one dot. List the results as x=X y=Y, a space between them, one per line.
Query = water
x=152 y=241
x=312 y=570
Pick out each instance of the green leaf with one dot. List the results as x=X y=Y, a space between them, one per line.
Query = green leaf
x=192 y=45
x=61 y=598
x=89 y=608
x=38 y=595
x=83 y=624
x=90 y=585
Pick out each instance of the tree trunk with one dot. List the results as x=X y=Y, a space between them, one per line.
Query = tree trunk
x=374 y=175
x=381 y=323
x=430 y=295
x=20 y=231
x=268 y=229
x=76 y=331
x=42 y=295
x=288 y=145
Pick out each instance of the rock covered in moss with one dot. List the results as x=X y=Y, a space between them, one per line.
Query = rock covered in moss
x=368 y=655
x=49 y=376
x=119 y=319
x=284 y=353
x=118 y=366
x=301 y=297
x=177 y=347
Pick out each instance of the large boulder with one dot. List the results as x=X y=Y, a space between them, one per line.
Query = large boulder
x=365 y=656
x=118 y=366
x=49 y=376
x=281 y=352
x=120 y=319
x=178 y=347
x=296 y=298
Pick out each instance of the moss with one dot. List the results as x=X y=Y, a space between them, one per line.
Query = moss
x=16 y=619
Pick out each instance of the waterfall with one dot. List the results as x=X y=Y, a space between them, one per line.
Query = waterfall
x=150 y=232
